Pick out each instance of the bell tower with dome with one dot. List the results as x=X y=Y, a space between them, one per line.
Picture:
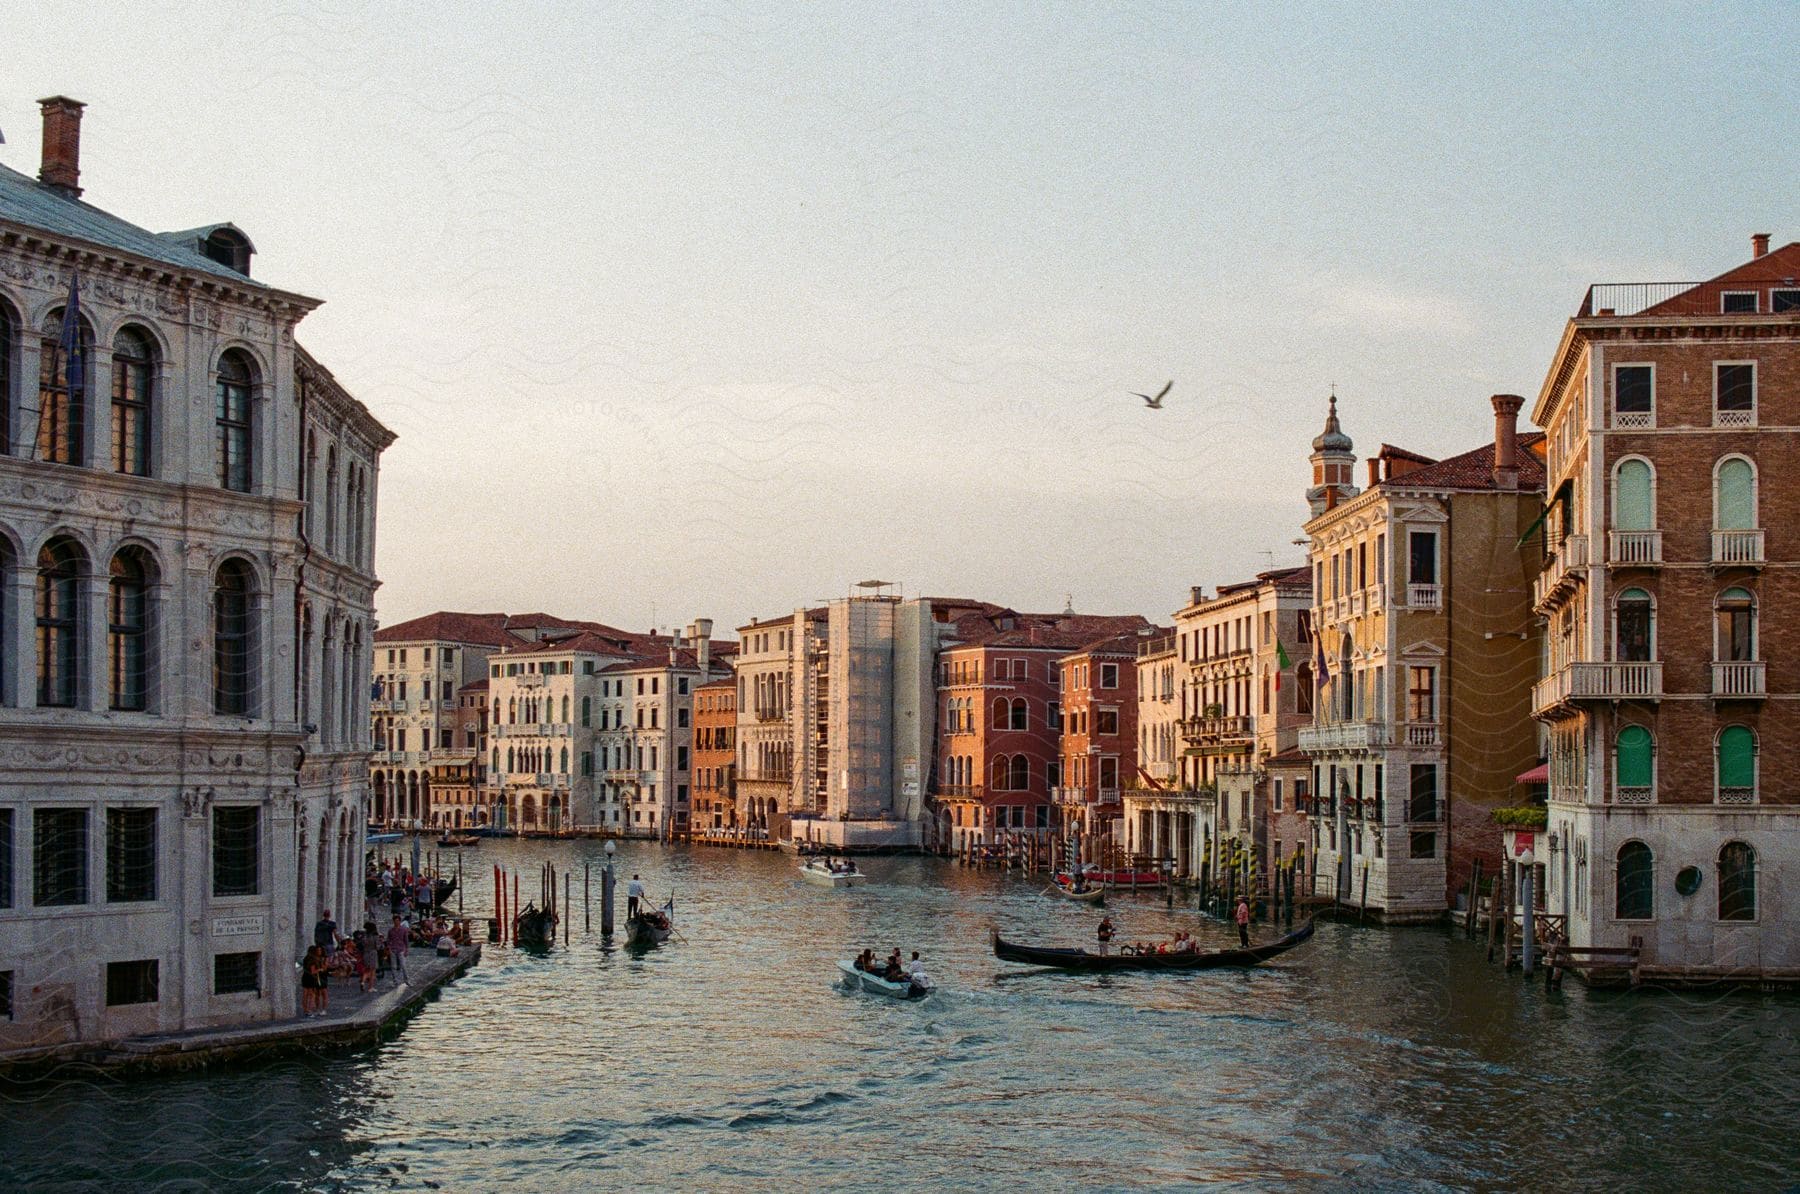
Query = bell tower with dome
x=1333 y=462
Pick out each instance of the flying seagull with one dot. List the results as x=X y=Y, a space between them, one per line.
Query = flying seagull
x=1156 y=402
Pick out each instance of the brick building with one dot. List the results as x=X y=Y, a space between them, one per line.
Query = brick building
x=1669 y=586
x=1000 y=721
x=1099 y=745
x=715 y=755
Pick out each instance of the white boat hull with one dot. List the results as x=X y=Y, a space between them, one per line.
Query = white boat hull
x=826 y=878
x=876 y=985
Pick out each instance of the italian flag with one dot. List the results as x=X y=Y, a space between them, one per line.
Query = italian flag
x=1282 y=663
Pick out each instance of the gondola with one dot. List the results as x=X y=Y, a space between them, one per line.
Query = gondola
x=456 y=841
x=1085 y=962
x=648 y=929
x=535 y=928
x=442 y=891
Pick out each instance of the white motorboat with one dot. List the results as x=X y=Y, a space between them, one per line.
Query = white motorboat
x=827 y=873
x=877 y=985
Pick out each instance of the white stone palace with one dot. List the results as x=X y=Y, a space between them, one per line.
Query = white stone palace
x=186 y=605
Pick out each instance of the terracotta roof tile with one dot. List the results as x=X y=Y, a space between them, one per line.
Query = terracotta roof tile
x=1475 y=470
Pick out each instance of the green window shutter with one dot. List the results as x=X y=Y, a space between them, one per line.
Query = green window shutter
x=1737 y=496
x=1634 y=757
x=1634 y=511
x=1737 y=758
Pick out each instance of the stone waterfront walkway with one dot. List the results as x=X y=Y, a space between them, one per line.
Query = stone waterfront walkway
x=354 y=1018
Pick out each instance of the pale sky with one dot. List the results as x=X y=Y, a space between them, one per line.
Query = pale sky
x=715 y=309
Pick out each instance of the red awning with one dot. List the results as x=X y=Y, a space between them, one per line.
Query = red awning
x=1537 y=775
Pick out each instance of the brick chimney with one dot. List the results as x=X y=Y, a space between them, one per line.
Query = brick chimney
x=1374 y=471
x=61 y=168
x=1759 y=244
x=1506 y=440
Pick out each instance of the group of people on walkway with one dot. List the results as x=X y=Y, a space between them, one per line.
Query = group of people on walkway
x=393 y=887
x=362 y=955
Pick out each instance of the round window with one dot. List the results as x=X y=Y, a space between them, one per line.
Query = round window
x=1687 y=880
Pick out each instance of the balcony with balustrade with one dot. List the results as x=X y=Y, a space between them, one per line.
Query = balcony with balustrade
x=1634 y=549
x=1740 y=680
x=1425 y=597
x=1738 y=549
x=1234 y=732
x=1345 y=736
x=1575 y=683
x=1422 y=734
x=1565 y=567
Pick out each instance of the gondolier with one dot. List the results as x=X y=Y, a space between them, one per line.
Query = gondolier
x=1243 y=921
x=634 y=892
x=1104 y=933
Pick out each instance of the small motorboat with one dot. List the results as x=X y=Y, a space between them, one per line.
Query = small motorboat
x=375 y=839
x=1089 y=894
x=650 y=928
x=1087 y=963
x=875 y=984
x=456 y=841
x=828 y=872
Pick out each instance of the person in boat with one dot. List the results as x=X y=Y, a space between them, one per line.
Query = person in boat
x=1243 y=921
x=894 y=972
x=634 y=893
x=915 y=974
x=1104 y=933
x=1078 y=883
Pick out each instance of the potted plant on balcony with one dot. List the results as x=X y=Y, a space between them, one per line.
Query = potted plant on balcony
x=1213 y=711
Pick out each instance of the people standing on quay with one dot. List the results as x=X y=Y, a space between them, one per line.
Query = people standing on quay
x=325 y=933
x=1243 y=921
x=314 y=994
x=371 y=956
x=398 y=935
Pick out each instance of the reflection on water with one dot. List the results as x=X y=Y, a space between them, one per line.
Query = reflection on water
x=1368 y=1057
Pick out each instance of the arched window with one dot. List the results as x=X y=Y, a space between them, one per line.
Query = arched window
x=309 y=484
x=510 y=758
x=1737 y=881
x=1636 y=887
x=1018 y=775
x=62 y=390
x=1735 y=616
x=128 y=629
x=1019 y=716
x=234 y=635
x=565 y=710
x=1636 y=626
x=59 y=623
x=564 y=760
x=231 y=415
x=6 y=581
x=1734 y=495
x=1737 y=765
x=512 y=710
x=134 y=361
x=1633 y=766
x=997 y=781
x=1634 y=496
x=1001 y=716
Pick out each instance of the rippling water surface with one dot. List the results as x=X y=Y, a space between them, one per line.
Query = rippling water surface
x=1368 y=1058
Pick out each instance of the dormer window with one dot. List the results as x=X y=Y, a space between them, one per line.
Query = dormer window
x=230 y=248
x=1737 y=302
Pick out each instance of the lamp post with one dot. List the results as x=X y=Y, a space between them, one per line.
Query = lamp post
x=606 y=891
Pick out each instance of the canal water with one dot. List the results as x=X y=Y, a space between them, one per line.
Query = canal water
x=1368 y=1058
